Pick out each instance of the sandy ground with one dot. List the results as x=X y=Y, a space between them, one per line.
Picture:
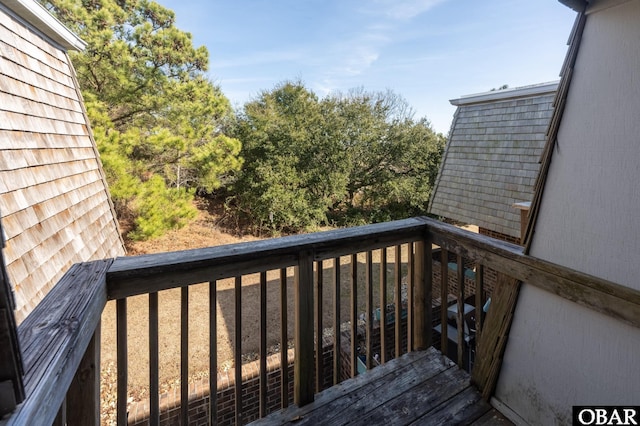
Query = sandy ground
x=204 y=232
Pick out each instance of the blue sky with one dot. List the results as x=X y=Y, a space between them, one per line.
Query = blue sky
x=428 y=51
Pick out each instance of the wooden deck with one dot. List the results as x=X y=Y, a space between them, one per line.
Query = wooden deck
x=420 y=388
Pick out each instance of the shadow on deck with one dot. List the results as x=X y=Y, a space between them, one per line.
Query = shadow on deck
x=420 y=388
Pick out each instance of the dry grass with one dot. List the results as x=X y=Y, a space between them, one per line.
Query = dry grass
x=204 y=233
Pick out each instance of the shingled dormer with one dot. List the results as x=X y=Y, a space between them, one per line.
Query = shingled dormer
x=54 y=200
x=491 y=160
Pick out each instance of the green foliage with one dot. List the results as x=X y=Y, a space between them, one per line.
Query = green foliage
x=157 y=119
x=349 y=158
x=292 y=168
x=160 y=208
x=393 y=158
x=153 y=206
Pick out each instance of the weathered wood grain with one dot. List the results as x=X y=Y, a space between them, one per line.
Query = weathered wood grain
x=494 y=337
x=464 y=408
x=146 y=273
x=83 y=397
x=422 y=302
x=346 y=388
x=421 y=387
x=401 y=408
x=614 y=300
x=55 y=337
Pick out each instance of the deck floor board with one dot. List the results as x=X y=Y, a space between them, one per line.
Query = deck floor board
x=419 y=388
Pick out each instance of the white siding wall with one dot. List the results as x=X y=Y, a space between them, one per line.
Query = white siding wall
x=560 y=354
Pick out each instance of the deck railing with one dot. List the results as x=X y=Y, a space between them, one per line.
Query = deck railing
x=60 y=339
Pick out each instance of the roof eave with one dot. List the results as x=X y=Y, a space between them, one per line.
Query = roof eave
x=577 y=5
x=517 y=92
x=37 y=16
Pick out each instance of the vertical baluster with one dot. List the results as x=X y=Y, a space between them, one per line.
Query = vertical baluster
x=81 y=405
x=238 y=350
x=410 y=288
x=354 y=314
x=263 y=343
x=320 y=327
x=284 y=341
x=479 y=304
x=383 y=305
x=213 y=353
x=460 y=316
x=123 y=363
x=304 y=364
x=337 y=332
x=398 y=297
x=184 y=355
x=154 y=364
x=369 y=307
x=423 y=272
x=444 y=301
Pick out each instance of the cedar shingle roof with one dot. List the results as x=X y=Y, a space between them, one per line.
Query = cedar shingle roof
x=492 y=156
x=54 y=199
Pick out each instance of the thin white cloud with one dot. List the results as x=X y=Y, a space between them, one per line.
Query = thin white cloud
x=261 y=58
x=403 y=9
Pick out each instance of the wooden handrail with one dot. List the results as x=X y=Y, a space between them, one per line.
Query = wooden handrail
x=56 y=338
x=606 y=297
x=134 y=275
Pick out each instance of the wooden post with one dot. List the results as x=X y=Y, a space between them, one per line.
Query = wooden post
x=303 y=385
x=83 y=396
x=154 y=362
x=237 y=353
x=495 y=334
x=422 y=308
x=369 y=308
x=444 y=301
x=460 y=314
x=263 y=344
x=320 y=327
x=122 y=360
x=337 y=331
x=383 y=305
x=284 y=341
x=354 y=315
x=398 y=300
